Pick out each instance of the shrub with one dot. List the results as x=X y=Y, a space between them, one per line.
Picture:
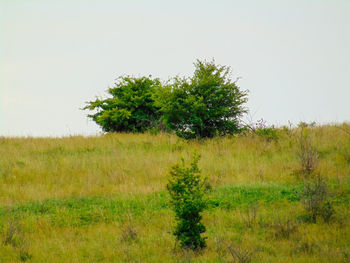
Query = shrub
x=188 y=199
x=269 y=134
x=131 y=107
x=307 y=154
x=315 y=196
x=264 y=131
x=316 y=200
x=205 y=105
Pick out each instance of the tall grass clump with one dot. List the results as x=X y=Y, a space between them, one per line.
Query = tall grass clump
x=188 y=199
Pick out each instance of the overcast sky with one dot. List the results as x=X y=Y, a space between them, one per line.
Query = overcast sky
x=293 y=56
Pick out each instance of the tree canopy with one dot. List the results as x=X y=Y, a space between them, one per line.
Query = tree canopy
x=131 y=107
x=205 y=105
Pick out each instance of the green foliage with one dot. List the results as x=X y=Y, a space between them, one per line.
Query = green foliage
x=270 y=134
x=131 y=107
x=205 y=105
x=260 y=128
x=187 y=192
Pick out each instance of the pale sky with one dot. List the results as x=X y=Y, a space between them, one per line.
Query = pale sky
x=293 y=56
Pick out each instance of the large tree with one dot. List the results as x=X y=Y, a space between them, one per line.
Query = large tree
x=130 y=108
x=205 y=105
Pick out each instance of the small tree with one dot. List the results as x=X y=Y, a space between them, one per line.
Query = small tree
x=131 y=107
x=187 y=192
x=206 y=105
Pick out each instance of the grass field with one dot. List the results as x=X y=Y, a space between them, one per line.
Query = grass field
x=104 y=198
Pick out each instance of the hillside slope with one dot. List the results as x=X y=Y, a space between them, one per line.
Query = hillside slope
x=103 y=199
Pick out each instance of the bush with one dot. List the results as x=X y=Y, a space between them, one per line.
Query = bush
x=260 y=128
x=307 y=154
x=270 y=134
x=131 y=107
x=187 y=192
x=206 y=105
x=316 y=200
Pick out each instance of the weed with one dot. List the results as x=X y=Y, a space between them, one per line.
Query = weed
x=220 y=247
x=307 y=125
x=269 y=134
x=12 y=234
x=249 y=216
x=24 y=255
x=306 y=246
x=129 y=233
x=284 y=229
x=260 y=128
x=316 y=200
x=307 y=154
x=239 y=254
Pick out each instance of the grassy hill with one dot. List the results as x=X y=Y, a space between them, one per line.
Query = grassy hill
x=104 y=199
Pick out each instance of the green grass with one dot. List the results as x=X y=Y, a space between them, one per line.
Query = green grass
x=92 y=210
x=104 y=199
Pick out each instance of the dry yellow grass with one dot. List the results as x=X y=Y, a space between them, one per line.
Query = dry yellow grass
x=40 y=168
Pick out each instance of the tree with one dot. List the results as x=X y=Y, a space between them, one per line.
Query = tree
x=131 y=107
x=205 y=105
x=188 y=199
